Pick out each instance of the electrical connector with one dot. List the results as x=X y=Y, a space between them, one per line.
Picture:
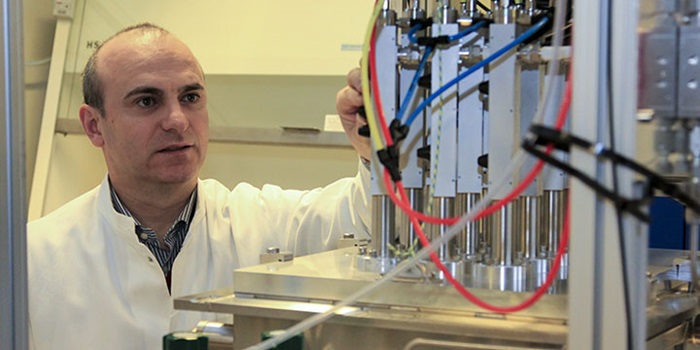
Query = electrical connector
x=64 y=8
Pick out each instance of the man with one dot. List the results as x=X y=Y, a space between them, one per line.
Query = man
x=103 y=268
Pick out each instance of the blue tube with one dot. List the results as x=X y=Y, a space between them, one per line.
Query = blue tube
x=460 y=35
x=414 y=82
x=424 y=60
x=412 y=33
x=530 y=32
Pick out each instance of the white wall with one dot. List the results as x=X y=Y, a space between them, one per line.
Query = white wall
x=39 y=25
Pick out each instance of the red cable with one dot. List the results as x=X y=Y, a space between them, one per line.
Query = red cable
x=406 y=207
x=496 y=206
x=551 y=275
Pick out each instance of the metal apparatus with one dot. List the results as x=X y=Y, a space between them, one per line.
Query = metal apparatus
x=482 y=89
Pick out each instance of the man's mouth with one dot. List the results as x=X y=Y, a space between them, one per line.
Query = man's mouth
x=174 y=148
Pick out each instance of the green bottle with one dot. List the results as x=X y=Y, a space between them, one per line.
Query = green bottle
x=185 y=341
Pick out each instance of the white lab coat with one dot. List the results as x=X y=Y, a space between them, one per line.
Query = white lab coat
x=92 y=285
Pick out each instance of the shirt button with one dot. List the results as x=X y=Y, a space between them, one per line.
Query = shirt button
x=144 y=236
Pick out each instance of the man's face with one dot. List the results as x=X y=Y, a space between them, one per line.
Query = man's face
x=155 y=128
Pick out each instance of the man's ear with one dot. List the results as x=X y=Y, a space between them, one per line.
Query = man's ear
x=90 y=119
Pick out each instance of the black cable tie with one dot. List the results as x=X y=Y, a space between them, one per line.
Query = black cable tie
x=364 y=131
x=362 y=112
x=484 y=87
x=398 y=131
x=433 y=41
x=425 y=81
x=545 y=136
x=483 y=160
x=422 y=22
x=389 y=157
x=487 y=21
x=423 y=153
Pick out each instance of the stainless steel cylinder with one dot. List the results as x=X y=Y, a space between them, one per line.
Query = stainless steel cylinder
x=526 y=226
x=442 y=207
x=682 y=147
x=504 y=11
x=530 y=6
x=664 y=144
x=457 y=269
x=405 y=229
x=541 y=268
x=553 y=206
x=413 y=10
x=469 y=6
x=564 y=267
x=502 y=236
x=445 y=14
x=467 y=243
x=498 y=277
x=383 y=214
x=484 y=238
x=387 y=17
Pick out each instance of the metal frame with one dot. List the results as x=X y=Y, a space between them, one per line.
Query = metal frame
x=595 y=274
x=13 y=268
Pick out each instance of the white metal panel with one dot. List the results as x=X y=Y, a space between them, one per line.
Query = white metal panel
x=502 y=134
x=470 y=127
x=411 y=170
x=443 y=118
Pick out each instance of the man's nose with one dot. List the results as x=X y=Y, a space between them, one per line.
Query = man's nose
x=176 y=119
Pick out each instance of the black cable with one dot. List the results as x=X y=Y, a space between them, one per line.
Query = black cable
x=616 y=185
x=563 y=141
x=630 y=205
x=482 y=6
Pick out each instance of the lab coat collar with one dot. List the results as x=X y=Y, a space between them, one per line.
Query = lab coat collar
x=124 y=225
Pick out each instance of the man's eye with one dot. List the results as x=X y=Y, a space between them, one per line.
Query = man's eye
x=190 y=98
x=145 y=102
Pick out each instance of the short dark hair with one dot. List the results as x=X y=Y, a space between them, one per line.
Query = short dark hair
x=92 y=87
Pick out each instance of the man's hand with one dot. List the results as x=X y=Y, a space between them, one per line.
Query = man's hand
x=347 y=103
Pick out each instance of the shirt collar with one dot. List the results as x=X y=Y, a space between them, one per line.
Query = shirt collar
x=186 y=214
